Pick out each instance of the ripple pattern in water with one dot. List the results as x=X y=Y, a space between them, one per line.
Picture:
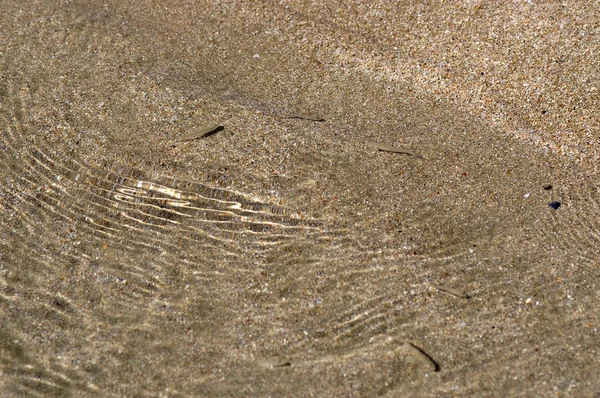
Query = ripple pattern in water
x=114 y=258
x=118 y=280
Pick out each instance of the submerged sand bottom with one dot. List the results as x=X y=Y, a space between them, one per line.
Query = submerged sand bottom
x=278 y=256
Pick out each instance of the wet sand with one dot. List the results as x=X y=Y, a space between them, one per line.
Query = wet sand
x=288 y=256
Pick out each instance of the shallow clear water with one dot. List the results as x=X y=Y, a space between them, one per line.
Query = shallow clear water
x=279 y=256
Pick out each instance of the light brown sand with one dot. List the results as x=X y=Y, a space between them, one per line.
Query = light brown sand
x=288 y=257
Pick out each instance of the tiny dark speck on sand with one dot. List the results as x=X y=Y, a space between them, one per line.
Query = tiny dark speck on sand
x=555 y=205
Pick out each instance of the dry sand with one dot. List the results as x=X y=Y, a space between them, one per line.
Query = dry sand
x=285 y=256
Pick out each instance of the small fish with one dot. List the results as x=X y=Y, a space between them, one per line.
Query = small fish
x=203 y=132
x=304 y=116
x=393 y=149
x=282 y=365
x=422 y=356
x=273 y=364
x=454 y=292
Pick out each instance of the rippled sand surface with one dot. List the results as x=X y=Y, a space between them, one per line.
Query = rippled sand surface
x=288 y=256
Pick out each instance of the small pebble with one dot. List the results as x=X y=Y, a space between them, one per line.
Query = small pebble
x=555 y=205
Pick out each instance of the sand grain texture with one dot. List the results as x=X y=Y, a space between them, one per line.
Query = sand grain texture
x=283 y=257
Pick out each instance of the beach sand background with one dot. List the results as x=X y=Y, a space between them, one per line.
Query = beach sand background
x=288 y=257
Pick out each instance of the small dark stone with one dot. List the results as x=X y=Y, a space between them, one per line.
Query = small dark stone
x=548 y=187
x=555 y=205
